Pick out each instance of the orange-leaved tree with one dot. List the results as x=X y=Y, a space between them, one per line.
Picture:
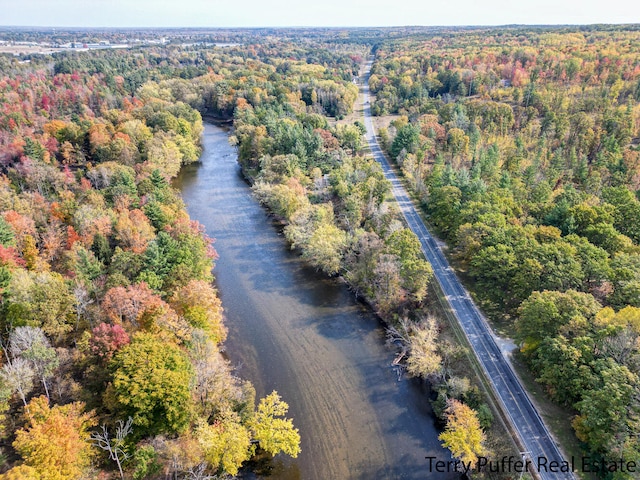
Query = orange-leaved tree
x=55 y=441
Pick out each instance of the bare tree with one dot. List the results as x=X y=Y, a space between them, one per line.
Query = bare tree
x=213 y=380
x=199 y=472
x=18 y=375
x=22 y=339
x=83 y=300
x=32 y=345
x=115 y=446
x=424 y=359
x=399 y=338
x=419 y=346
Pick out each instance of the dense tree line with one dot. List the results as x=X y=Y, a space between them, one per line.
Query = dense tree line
x=523 y=147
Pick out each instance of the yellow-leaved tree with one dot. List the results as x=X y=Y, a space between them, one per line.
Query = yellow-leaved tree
x=226 y=444
x=275 y=434
x=463 y=434
x=55 y=442
x=21 y=472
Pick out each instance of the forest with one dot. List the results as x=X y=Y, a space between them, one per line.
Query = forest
x=111 y=326
x=522 y=145
x=523 y=149
x=102 y=266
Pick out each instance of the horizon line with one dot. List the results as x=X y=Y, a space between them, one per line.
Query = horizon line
x=276 y=27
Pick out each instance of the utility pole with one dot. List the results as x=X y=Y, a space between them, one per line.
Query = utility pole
x=524 y=456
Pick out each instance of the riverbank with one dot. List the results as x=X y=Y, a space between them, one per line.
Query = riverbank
x=296 y=331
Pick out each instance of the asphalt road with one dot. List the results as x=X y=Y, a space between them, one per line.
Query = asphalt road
x=523 y=416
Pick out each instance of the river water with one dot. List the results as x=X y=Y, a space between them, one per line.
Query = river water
x=304 y=335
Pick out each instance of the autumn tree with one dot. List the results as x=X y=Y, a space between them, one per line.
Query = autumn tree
x=199 y=304
x=129 y=305
x=414 y=270
x=325 y=247
x=106 y=340
x=55 y=441
x=133 y=230
x=463 y=434
x=41 y=299
x=274 y=434
x=164 y=153
x=424 y=360
x=21 y=472
x=322 y=243
x=31 y=344
x=151 y=383
x=283 y=199
x=226 y=443
x=17 y=375
x=361 y=261
x=214 y=386
x=387 y=283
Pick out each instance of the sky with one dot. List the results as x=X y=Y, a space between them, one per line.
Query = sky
x=275 y=13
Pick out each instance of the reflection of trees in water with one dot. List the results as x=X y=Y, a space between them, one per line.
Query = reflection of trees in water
x=265 y=465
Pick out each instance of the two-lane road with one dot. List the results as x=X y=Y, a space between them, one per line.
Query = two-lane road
x=522 y=415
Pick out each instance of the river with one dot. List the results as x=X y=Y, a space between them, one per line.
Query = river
x=295 y=331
